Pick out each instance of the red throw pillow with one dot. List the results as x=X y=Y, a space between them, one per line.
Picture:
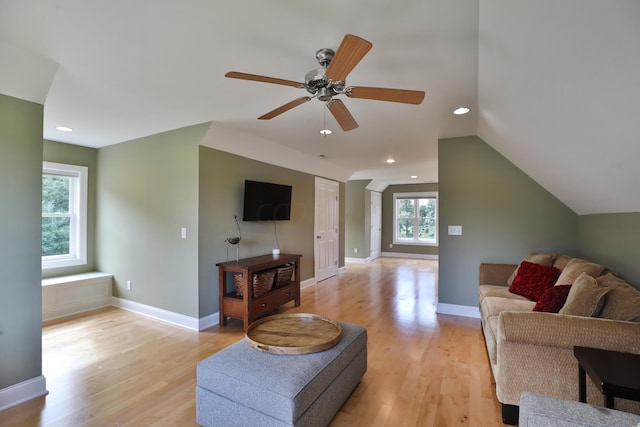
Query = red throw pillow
x=553 y=299
x=533 y=279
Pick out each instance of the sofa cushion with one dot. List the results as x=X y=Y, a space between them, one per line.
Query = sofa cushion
x=560 y=261
x=577 y=266
x=493 y=306
x=533 y=279
x=553 y=299
x=623 y=300
x=541 y=259
x=496 y=291
x=585 y=298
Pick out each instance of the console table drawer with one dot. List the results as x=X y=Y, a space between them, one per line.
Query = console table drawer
x=273 y=300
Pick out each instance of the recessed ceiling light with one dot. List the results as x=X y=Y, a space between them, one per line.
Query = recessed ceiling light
x=414 y=176
x=461 y=110
x=64 y=129
x=390 y=161
x=326 y=132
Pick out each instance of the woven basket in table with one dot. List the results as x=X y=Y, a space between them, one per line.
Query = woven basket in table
x=283 y=274
x=241 y=283
x=262 y=282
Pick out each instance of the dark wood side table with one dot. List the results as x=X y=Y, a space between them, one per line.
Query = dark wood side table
x=616 y=374
x=248 y=308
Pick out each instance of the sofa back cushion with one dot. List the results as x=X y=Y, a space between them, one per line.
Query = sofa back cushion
x=560 y=261
x=585 y=298
x=575 y=267
x=623 y=300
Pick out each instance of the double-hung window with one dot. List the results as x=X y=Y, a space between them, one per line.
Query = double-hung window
x=415 y=217
x=64 y=215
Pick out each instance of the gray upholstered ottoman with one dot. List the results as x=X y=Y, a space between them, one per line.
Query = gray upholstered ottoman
x=242 y=386
x=537 y=410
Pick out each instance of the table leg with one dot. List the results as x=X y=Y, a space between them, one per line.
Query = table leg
x=582 y=384
x=608 y=401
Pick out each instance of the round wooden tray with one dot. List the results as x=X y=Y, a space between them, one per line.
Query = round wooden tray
x=293 y=333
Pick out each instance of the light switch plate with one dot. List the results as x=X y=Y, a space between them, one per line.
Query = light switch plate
x=455 y=230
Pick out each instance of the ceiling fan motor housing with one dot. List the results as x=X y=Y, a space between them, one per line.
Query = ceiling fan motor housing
x=317 y=83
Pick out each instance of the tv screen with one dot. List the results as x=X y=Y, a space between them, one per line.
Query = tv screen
x=264 y=201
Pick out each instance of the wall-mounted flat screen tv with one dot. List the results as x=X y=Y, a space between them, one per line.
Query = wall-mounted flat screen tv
x=264 y=201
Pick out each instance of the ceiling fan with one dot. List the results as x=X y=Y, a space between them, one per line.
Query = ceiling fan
x=326 y=82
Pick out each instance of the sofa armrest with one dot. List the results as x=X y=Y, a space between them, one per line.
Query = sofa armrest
x=564 y=331
x=535 y=353
x=495 y=274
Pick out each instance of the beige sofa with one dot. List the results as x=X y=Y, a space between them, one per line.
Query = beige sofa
x=532 y=351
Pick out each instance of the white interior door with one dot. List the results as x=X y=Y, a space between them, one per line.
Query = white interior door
x=326 y=229
x=376 y=224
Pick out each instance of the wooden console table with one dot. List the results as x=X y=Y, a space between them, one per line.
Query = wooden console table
x=247 y=308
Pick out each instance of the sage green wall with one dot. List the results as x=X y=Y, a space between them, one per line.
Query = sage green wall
x=504 y=215
x=222 y=177
x=357 y=219
x=612 y=240
x=20 y=245
x=147 y=191
x=59 y=152
x=387 y=219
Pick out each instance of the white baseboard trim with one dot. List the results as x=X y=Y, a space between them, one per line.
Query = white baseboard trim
x=158 y=313
x=458 y=310
x=358 y=260
x=209 y=321
x=416 y=256
x=307 y=283
x=22 y=392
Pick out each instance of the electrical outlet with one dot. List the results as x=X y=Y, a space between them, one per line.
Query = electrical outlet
x=390 y=245
x=129 y=285
x=355 y=250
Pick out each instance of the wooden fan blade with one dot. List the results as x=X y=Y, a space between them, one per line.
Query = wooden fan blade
x=286 y=107
x=264 y=79
x=349 y=53
x=383 y=94
x=342 y=115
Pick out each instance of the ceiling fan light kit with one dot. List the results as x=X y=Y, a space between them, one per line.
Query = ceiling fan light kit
x=330 y=80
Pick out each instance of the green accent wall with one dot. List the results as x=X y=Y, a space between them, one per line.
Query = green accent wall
x=612 y=240
x=147 y=191
x=58 y=152
x=221 y=194
x=387 y=219
x=20 y=245
x=504 y=215
x=357 y=219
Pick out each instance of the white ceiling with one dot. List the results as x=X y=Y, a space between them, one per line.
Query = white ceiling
x=553 y=85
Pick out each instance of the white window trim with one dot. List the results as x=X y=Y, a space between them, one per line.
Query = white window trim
x=417 y=195
x=78 y=244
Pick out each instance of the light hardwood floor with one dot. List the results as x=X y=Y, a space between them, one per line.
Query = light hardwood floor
x=111 y=367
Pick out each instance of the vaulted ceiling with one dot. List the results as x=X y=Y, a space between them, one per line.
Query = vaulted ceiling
x=552 y=85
